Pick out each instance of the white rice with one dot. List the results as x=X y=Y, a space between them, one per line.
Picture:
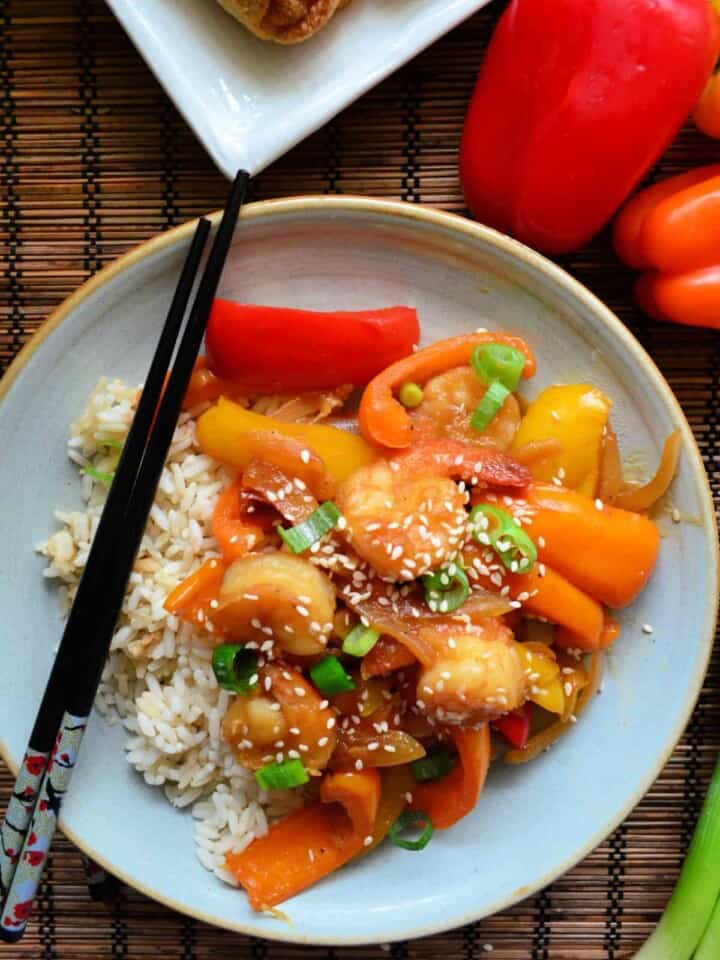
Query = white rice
x=158 y=681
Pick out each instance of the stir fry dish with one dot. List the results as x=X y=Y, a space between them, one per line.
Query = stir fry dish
x=408 y=591
x=370 y=570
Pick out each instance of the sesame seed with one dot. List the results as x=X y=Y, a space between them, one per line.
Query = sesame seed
x=598 y=503
x=305 y=456
x=568 y=688
x=368 y=840
x=303 y=611
x=358 y=764
x=311 y=856
x=330 y=723
x=646 y=628
x=324 y=704
x=279 y=756
x=300 y=691
x=561 y=472
x=374 y=745
x=323 y=741
x=303 y=747
x=389 y=748
x=541 y=542
x=294 y=730
x=675 y=515
x=557 y=481
x=256 y=623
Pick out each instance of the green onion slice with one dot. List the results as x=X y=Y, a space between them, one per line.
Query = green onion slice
x=446 y=589
x=360 y=640
x=498 y=529
x=411 y=820
x=321 y=521
x=330 y=677
x=411 y=394
x=235 y=668
x=435 y=764
x=282 y=776
x=115 y=444
x=489 y=407
x=106 y=478
x=496 y=361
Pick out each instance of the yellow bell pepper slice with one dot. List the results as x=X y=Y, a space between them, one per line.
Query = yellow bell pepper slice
x=225 y=432
x=576 y=415
x=545 y=681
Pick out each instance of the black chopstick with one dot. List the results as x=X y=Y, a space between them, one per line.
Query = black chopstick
x=44 y=777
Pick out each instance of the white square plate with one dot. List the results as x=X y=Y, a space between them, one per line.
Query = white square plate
x=248 y=100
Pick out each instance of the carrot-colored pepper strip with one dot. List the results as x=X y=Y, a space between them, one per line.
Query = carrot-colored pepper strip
x=450 y=798
x=295 y=853
x=358 y=792
x=191 y=598
x=384 y=420
x=234 y=530
x=569 y=528
x=205 y=386
x=545 y=593
x=691 y=297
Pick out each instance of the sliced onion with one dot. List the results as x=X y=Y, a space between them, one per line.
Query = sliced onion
x=639 y=499
x=275 y=488
x=410 y=615
x=541 y=741
x=372 y=749
x=610 y=476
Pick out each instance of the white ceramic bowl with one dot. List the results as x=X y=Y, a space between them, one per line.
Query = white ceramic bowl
x=534 y=821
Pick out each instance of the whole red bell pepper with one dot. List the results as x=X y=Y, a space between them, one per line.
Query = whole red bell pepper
x=574 y=102
x=278 y=350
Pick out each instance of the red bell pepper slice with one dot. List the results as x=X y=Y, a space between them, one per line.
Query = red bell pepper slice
x=515 y=726
x=278 y=350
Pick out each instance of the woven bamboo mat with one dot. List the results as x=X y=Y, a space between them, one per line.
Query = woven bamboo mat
x=95 y=159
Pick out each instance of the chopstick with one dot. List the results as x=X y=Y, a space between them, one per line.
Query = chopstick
x=46 y=770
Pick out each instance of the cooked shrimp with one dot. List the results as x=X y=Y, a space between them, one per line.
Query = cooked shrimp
x=406 y=516
x=449 y=401
x=404 y=526
x=284 y=719
x=277 y=597
x=477 y=674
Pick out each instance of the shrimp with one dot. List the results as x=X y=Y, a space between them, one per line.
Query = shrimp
x=477 y=674
x=284 y=719
x=406 y=516
x=278 y=597
x=449 y=401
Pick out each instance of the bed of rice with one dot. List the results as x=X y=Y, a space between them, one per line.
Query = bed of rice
x=158 y=681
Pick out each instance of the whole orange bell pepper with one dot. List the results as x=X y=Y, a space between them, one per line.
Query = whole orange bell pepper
x=672 y=230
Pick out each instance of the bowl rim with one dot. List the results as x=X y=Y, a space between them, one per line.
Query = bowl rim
x=433 y=218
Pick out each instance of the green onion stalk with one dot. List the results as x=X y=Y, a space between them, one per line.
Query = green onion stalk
x=690 y=926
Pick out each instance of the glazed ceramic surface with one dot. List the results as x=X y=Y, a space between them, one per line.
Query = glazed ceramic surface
x=249 y=100
x=533 y=821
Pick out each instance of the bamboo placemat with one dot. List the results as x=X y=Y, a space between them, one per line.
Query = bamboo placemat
x=96 y=159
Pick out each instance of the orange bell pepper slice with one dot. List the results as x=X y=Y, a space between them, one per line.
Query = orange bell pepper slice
x=384 y=420
x=568 y=528
x=205 y=386
x=450 y=798
x=191 y=598
x=682 y=232
x=629 y=224
x=358 y=792
x=549 y=595
x=310 y=843
x=295 y=853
